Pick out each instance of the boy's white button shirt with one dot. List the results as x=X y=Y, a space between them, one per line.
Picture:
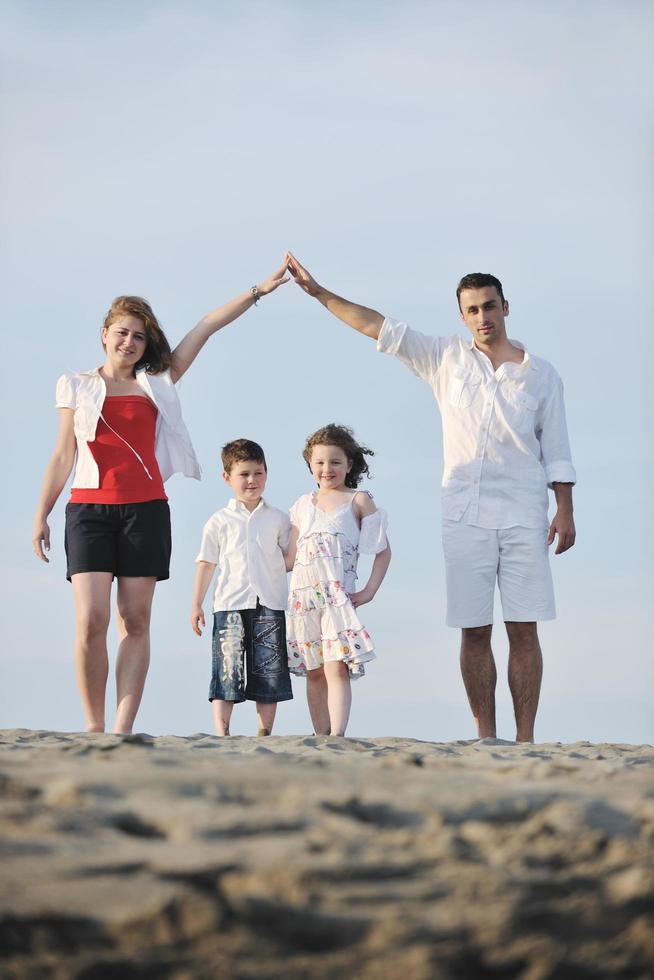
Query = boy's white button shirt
x=504 y=432
x=247 y=547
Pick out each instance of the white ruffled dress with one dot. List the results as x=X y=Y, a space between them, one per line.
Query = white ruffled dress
x=322 y=624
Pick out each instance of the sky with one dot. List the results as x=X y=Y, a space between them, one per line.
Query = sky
x=176 y=149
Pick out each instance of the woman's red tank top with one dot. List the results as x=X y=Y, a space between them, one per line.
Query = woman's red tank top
x=125 y=431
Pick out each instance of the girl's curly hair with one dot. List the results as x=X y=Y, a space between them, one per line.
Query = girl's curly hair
x=343 y=437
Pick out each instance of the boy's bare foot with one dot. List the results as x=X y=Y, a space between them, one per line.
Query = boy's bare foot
x=263 y=731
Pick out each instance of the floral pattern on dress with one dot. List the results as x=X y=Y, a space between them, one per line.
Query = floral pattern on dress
x=322 y=623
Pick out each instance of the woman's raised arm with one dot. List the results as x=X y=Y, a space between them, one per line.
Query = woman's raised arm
x=191 y=345
x=56 y=474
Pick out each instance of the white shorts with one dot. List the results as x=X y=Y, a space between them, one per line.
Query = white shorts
x=517 y=557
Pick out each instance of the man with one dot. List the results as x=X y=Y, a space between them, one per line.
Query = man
x=504 y=442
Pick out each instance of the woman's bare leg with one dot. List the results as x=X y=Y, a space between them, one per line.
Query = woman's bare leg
x=339 y=695
x=222 y=715
x=92 y=592
x=134 y=605
x=317 y=700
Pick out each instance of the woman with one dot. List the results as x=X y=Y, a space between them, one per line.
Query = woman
x=123 y=422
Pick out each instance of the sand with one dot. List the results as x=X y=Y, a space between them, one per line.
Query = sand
x=132 y=857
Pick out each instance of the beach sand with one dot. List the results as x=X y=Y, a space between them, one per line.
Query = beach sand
x=384 y=858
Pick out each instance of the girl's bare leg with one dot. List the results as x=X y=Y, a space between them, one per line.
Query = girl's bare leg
x=92 y=593
x=134 y=605
x=339 y=695
x=317 y=700
x=222 y=715
x=266 y=716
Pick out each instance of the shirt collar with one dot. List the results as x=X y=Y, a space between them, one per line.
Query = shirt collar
x=239 y=506
x=527 y=361
x=95 y=372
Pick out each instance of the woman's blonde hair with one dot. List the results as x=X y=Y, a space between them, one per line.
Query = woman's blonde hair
x=157 y=354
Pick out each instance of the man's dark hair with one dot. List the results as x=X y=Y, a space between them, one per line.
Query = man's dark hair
x=477 y=280
x=240 y=450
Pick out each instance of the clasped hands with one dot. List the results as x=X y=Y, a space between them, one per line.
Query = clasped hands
x=290 y=265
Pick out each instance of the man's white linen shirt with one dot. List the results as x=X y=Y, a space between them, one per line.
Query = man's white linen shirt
x=505 y=438
x=248 y=549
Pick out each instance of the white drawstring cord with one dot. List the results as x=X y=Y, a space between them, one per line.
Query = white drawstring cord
x=147 y=471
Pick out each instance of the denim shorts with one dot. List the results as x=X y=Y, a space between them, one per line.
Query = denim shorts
x=249 y=660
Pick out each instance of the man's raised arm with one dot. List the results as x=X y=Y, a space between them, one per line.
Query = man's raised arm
x=366 y=321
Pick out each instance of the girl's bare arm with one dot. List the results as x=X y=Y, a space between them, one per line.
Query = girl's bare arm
x=364 y=506
x=377 y=576
x=291 y=551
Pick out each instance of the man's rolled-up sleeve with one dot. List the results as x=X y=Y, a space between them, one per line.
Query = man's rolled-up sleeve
x=554 y=442
x=421 y=353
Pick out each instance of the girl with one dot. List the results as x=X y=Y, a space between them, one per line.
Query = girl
x=123 y=422
x=326 y=641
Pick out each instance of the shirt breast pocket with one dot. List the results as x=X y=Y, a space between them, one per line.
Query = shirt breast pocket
x=522 y=407
x=463 y=387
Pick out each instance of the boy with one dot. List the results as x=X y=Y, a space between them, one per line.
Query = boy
x=247 y=541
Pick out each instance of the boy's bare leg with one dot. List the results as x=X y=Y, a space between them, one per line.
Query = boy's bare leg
x=525 y=675
x=479 y=677
x=339 y=696
x=222 y=714
x=266 y=716
x=317 y=700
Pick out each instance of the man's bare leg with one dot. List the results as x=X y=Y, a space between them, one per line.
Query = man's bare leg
x=525 y=675
x=317 y=700
x=479 y=676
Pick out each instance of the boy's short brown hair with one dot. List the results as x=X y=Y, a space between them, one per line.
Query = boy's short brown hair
x=239 y=450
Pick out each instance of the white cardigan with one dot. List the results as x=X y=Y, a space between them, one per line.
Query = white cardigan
x=85 y=394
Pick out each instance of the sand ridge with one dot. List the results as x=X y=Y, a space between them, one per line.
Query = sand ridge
x=192 y=857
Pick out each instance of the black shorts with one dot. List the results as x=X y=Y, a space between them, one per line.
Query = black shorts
x=125 y=539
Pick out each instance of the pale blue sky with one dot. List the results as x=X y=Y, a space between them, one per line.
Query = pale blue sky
x=175 y=150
